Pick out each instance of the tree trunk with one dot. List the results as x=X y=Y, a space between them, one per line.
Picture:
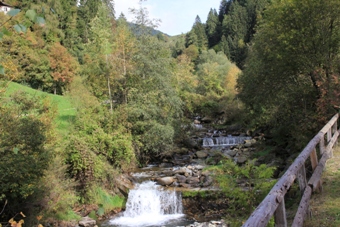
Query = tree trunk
x=109 y=87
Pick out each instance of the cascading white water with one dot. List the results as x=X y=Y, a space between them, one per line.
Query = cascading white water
x=224 y=141
x=148 y=204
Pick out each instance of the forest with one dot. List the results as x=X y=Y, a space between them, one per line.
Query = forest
x=112 y=94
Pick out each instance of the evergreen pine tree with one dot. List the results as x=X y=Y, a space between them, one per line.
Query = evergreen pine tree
x=213 y=27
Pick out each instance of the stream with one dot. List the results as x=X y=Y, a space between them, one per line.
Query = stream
x=152 y=205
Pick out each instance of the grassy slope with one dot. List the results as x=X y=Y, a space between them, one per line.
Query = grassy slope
x=325 y=207
x=66 y=112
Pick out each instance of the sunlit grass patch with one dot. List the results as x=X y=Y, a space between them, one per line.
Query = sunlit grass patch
x=325 y=206
x=66 y=111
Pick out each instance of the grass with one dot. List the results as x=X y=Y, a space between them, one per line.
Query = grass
x=105 y=201
x=325 y=206
x=66 y=112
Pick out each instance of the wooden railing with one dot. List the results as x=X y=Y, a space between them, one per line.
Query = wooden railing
x=274 y=203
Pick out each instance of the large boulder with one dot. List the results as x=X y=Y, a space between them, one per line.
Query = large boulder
x=201 y=154
x=87 y=222
x=124 y=184
x=165 y=181
x=241 y=159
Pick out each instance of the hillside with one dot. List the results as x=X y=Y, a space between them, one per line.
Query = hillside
x=66 y=112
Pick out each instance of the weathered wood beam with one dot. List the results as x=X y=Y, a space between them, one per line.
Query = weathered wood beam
x=302 y=179
x=266 y=209
x=322 y=146
x=280 y=215
x=303 y=209
x=261 y=216
x=314 y=181
x=314 y=159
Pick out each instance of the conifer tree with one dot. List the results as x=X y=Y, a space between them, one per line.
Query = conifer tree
x=197 y=35
x=87 y=10
x=224 y=9
x=213 y=27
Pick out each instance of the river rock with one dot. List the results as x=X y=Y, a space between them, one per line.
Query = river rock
x=207 y=181
x=124 y=184
x=198 y=167
x=181 y=178
x=206 y=119
x=184 y=185
x=190 y=143
x=165 y=165
x=193 y=180
x=201 y=154
x=87 y=222
x=209 y=224
x=241 y=159
x=184 y=171
x=232 y=152
x=164 y=181
x=181 y=159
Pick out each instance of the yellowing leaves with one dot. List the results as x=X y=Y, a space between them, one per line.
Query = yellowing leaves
x=16 y=224
x=11 y=68
x=231 y=79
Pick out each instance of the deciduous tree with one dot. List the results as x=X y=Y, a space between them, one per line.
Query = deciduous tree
x=63 y=67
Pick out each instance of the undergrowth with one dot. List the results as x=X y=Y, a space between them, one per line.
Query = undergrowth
x=104 y=200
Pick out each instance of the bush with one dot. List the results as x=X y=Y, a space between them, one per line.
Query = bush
x=255 y=183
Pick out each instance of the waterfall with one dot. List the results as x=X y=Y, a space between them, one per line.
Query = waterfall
x=149 y=204
x=224 y=141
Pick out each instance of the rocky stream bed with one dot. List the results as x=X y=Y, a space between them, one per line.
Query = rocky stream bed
x=184 y=171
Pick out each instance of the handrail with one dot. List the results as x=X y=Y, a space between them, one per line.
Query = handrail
x=273 y=204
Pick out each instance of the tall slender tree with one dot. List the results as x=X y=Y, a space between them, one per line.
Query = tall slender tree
x=212 y=28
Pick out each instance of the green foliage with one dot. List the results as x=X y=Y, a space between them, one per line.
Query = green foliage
x=65 y=110
x=25 y=139
x=150 y=103
x=197 y=36
x=255 y=181
x=2 y=70
x=106 y=202
x=69 y=215
x=213 y=28
x=187 y=194
x=98 y=141
x=216 y=91
x=56 y=196
x=287 y=86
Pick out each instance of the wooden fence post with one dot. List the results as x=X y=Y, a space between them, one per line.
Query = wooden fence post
x=273 y=204
x=322 y=145
x=302 y=179
x=329 y=134
x=280 y=215
x=314 y=162
x=303 y=210
x=314 y=159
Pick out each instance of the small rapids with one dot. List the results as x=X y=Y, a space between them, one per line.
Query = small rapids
x=224 y=141
x=150 y=205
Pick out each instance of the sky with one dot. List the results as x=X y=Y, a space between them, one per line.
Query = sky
x=177 y=16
